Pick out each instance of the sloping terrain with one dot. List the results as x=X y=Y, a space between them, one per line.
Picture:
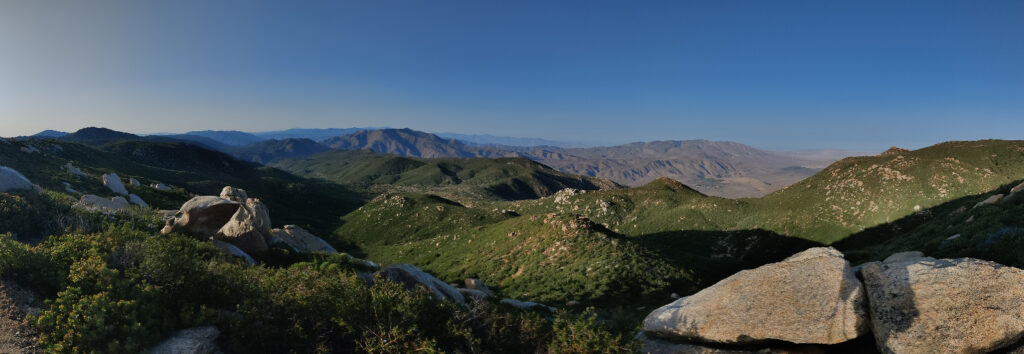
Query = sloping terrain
x=408 y=142
x=463 y=179
x=270 y=151
x=193 y=169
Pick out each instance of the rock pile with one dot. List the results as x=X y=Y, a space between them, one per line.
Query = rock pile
x=909 y=303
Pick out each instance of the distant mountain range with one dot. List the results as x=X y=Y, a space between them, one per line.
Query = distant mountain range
x=718 y=168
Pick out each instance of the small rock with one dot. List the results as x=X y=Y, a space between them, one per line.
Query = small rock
x=572 y=303
x=951 y=238
x=113 y=181
x=75 y=171
x=411 y=278
x=901 y=256
x=990 y=200
x=526 y=305
x=300 y=240
x=134 y=182
x=234 y=251
x=201 y=340
x=160 y=187
x=99 y=204
x=674 y=296
x=134 y=199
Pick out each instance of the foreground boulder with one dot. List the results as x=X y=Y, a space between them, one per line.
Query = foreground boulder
x=200 y=340
x=411 y=277
x=202 y=217
x=248 y=228
x=928 y=305
x=300 y=240
x=13 y=180
x=113 y=181
x=810 y=297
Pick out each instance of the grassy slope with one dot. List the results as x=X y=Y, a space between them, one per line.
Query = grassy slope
x=193 y=169
x=463 y=179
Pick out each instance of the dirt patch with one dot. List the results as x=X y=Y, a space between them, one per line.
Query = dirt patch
x=16 y=335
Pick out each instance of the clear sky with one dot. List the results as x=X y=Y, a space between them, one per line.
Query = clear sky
x=773 y=74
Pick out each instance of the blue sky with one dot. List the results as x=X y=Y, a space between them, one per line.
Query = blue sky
x=773 y=74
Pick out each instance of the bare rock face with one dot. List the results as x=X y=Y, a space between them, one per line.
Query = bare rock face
x=113 y=181
x=13 y=180
x=301 y=240
x=810 y=297
x=902 y=256
x=201 y=340
x=411 y=278
x=202 y=217
x=928 y=305
x=248 y=228
x=234 y=194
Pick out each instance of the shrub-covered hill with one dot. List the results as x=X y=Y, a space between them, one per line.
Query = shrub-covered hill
x=551 y=257
x=847 y=197
x=950 y=230
x=190 y=168
x=114 y=284
x=462 y=179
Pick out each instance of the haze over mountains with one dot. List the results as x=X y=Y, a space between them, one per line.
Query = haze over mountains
x=719 y=168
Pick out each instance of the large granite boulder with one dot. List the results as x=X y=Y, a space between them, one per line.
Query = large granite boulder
x=234 y=251
x=202 y=217
x=201 y=340
x=113 y=181
x=810 y=297
x=13 y=180
x=300 y=240
x=248 y=228
x=234 y=194
x=137 y=200
x=411 y=278
x=928 y=305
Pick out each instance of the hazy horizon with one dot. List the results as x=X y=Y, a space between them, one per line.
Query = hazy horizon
x=783 y=76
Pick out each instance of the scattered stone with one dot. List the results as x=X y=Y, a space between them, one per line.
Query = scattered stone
x=248 y=228
x=160 y=187
x=526 y=305
x=990 y=200
x=928 y=305
x=810 y=297
x=29 y=149
x=234 y=251
x=477 y=284
x=300 y=240
x=202 y=217
x=234 y=194
x=137 y=201
x=473 y=293
x=674 y=296
x=951 y=238
x=96 y=203
x=902 y=256
x=411 y=277
x=75 y=171
x=917 y=208
x=572 y=303
x=113 y=181
x=14 y=180
x=201 y=340
x=1017 y=188
x=134 y=182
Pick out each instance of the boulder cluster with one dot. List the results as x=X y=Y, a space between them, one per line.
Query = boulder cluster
x=815 y=300
x=240 y=226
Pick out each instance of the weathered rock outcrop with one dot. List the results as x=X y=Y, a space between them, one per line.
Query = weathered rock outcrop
x=13 y=180
x=202 y=217
x=248 y=228
x=99 y=204
x=810 y=297
x=411 y=278
x=74 y=171
x=201 y=340
x=990 y=200
x=928 y=305
x=113 y=181
x=902 y=256
x=234 y=194
x=300 y=240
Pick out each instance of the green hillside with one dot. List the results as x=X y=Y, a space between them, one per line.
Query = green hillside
x=462 y=179
x=192 y=169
